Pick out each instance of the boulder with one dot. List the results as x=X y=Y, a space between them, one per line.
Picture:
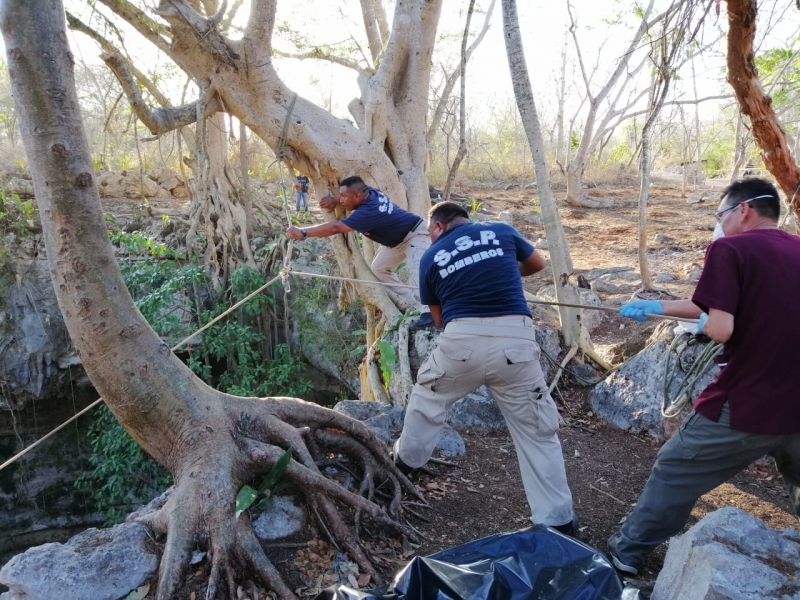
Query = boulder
x=506 y=216
x=162 y=175
x=541 y=244
x=98 y=564
x=660 y=238
x=591 y=318
x=180 y=192
x=696 y=198
x=20 y=187
x=128 y=184
x=532 y=218
x=386 y=422
x=663 y=278
x=732 y=555
x=630 y=398
x=284 y=518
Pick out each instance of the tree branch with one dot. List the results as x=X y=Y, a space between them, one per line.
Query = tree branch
x=156 y=33
x=157 y=120
x=321 y=54
x=371 y=29
x=452 y=78
x=109 y=48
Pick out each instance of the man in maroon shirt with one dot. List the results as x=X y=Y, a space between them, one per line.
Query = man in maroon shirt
x=749 y=291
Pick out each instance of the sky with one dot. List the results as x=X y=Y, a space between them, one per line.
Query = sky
x=604 y=28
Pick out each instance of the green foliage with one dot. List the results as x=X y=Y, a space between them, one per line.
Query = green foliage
x=473 y=206
x=122 y=473
x=387 y=360
x=271 y=484
x=166 y=290
x=17 y=220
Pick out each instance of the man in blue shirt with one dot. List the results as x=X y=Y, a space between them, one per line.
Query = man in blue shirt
x=470 y=279
x=401 y=234
x=301 y=193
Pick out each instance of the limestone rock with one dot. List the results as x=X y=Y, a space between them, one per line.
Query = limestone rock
x=128 y=184
x=696 y=198
x=20 y=187
x=477 y=410
x=506 y=216
x=386 y=422
x=180 y=192
x=162 y=175
x=732 y=555
x=591 y=318
x=284 y=518
x=98 y=564
x=660 y=238
x=541 y=244
x=630 y=398
x=532 y=218
x=603 y=285
x=663 y=278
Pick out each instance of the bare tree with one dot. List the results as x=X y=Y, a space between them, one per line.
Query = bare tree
x=592 y=130
x=462 y=114
x=574 y=333
x=211 y=442
x=768 y=134
x=676 y=30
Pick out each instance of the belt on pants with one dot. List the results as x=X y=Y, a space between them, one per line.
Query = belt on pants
x=490 y=330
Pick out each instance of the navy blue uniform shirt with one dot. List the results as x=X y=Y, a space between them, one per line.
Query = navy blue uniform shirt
x=381 y=220
x=472 y=270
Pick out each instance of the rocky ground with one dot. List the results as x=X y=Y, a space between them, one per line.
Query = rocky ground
x=607 y=468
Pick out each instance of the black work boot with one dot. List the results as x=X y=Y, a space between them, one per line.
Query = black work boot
x=572 y=529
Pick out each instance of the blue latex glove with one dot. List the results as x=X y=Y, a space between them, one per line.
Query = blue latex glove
x=636 y=309
x=701 y=323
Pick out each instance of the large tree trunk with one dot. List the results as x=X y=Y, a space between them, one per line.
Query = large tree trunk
x=753 y=102
x=211 y=442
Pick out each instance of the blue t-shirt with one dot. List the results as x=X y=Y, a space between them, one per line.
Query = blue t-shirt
x=472 y=270
x=381 y=220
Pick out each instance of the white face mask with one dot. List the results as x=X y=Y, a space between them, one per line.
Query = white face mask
x=718 y=232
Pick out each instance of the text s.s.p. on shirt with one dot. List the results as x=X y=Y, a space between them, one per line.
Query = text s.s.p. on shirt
x=381 y=220
x=472 y=270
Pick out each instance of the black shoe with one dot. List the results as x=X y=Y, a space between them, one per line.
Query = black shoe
x=628 y=567
x=425 y=320
x=572 y=529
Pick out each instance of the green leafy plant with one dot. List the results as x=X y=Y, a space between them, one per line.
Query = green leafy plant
x=474 y=206
x=122 y=475
x=165 y=290
x=272 y=483
x=387 y=359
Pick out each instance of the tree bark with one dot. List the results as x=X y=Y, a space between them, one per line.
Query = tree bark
x=768 y=134
x=211 y=442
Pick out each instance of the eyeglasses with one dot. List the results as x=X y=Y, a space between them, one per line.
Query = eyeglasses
x=719 y=213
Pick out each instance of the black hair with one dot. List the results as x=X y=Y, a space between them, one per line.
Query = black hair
x=445 y=212
x=752 y=187
x=354 y=184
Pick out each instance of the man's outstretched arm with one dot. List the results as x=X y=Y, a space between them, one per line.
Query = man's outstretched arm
x=533 y=264
x=321 y=230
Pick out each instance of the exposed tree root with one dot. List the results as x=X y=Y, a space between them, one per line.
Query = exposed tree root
x=200 y=509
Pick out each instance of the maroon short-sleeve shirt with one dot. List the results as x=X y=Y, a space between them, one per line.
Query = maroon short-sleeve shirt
x=755 y=276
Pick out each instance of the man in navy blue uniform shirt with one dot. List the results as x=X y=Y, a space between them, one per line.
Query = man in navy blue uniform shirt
x=401 y=234
x=470 y=279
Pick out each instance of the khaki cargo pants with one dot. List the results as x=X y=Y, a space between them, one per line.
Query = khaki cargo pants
x=500 y=352
x=410 y=250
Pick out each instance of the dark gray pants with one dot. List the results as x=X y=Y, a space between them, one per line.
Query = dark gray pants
x=700 y=456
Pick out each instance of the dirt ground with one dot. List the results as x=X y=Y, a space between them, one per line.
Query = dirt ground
x=482 y=495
